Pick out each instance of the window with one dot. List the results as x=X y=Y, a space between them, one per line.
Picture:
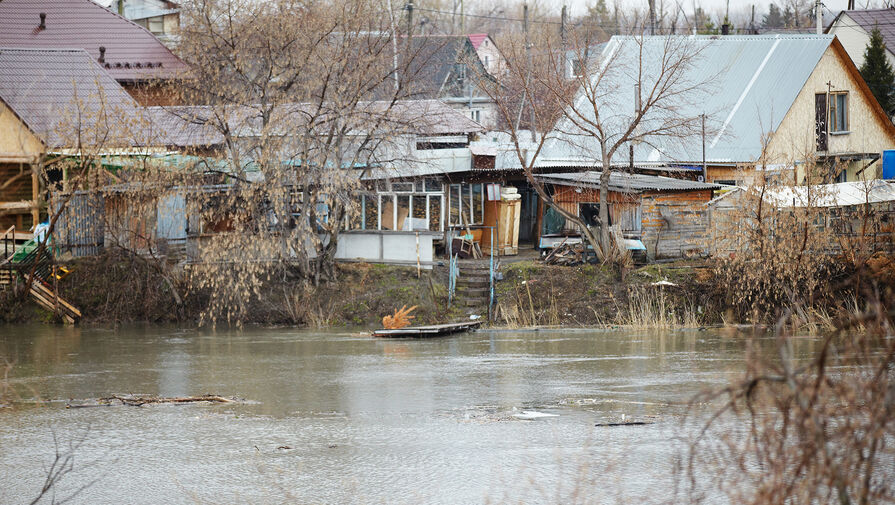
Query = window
x=389 y=209
x=838 y=112
x=590 y=214
x=475 y=115
x=460 y=72
x=466 y=204
x=577 y=69
x=486 y=61
x=156 y=25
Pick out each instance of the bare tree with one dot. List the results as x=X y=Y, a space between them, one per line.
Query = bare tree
x=572 y=99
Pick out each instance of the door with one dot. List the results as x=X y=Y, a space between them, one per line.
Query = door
x=820 y=120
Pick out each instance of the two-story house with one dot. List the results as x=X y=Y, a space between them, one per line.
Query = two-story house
x=784 y=105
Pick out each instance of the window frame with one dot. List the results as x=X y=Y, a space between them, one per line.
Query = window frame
x=834 y=110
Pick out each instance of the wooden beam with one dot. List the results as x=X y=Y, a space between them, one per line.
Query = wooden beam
x=35 y=196
x=24 y=205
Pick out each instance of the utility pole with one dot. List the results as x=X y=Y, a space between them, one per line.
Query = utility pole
x=819 y=14
x=525 y=94
x=752 y=21
x=652 y=17
x=704 y=174
x=562 y=28
x=531 y=104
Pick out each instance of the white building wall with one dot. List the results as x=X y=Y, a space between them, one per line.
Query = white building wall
x=855 y=39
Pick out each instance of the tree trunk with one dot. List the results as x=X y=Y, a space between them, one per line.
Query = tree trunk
x=604 y=209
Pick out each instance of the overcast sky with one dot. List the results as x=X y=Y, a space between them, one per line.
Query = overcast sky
x=835 y=6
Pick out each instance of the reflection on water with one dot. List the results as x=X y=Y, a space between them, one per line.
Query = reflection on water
x=331 y=417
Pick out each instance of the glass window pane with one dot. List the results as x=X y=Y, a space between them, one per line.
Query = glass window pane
x=419 y=207
x=402 y=187
x=403 y=211
x=477 y=204
x=465 y=201
x=433 y=185
x=435 y=213
x=454 y=204
x=371 y=212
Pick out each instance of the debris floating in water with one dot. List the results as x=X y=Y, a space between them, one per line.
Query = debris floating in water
x=533 y=414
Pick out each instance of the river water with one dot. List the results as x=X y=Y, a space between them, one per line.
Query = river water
x=335 y=417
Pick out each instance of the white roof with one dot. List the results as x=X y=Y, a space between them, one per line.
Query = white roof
x=842 y=194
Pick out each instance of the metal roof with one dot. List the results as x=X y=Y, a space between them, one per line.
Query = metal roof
x=132 y=53
x=744 y=85
x=62 y=93
x=623 y=182
x=868 y=19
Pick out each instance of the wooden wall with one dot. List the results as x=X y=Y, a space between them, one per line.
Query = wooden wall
x=675 y=224
x=18 y=182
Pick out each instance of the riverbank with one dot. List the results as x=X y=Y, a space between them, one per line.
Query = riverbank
x=118 y=288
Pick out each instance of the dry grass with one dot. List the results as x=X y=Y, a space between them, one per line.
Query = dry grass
x=518 y=309
x=652 y=307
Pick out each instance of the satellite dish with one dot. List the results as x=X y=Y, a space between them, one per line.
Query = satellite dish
x=700 y=178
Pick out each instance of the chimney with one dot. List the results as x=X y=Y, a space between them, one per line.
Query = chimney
x=725 y=29
x=102 y=54
x=43 y=21
x=121 y=7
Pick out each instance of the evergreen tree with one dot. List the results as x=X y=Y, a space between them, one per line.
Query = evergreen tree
x=774 y=18
x=877 y=72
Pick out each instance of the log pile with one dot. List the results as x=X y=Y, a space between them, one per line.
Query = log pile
x=567 y=255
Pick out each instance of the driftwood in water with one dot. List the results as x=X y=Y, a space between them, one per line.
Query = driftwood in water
x=136 y=401
x=625 y=423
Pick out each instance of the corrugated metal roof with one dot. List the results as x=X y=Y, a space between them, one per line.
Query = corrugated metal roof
x=56 y=92
x=744 y=85
x=132 y=53
x=626 y=183
x=841 y=194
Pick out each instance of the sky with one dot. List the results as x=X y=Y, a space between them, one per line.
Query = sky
x=579 y=6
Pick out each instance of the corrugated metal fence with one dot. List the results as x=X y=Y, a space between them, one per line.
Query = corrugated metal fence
x=80 y=228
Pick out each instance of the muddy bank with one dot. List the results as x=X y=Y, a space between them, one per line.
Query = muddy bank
x=121 y=288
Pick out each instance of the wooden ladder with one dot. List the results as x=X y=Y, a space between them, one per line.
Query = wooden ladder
x=50 y=300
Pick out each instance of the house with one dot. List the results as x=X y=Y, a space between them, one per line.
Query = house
x=491 y=58
x=667 y=215
x=410 y=192
x=127 y=51
x=448 y=68
x=853 y=27
x=160 y=17
x=54 y=104
x=788 y=106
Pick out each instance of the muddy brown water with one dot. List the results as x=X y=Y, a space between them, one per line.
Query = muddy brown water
x=334 y=417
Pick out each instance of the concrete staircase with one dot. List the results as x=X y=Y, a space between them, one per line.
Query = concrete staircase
x=473 y=285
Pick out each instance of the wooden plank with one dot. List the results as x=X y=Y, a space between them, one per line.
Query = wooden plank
x=49 y=294
x=432 y=330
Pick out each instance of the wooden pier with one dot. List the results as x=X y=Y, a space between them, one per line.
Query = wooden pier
x=435 y=330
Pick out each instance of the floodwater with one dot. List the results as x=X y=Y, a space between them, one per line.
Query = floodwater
x=335 y=417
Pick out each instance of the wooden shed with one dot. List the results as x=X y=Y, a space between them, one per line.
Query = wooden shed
x=667 y=215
